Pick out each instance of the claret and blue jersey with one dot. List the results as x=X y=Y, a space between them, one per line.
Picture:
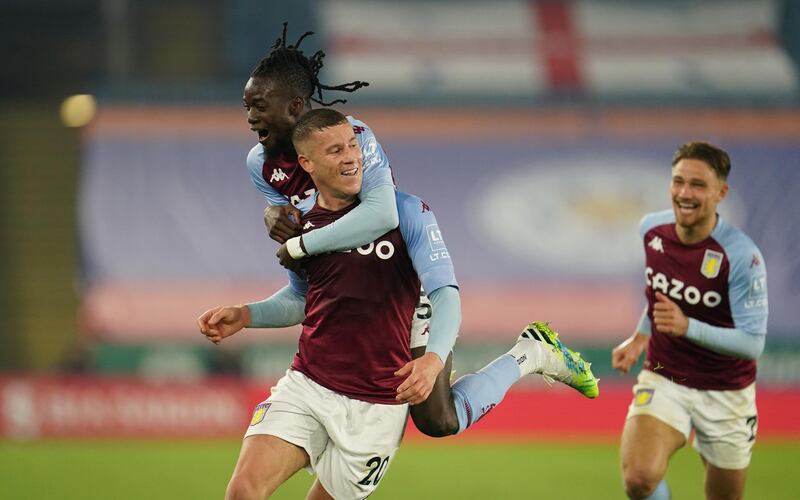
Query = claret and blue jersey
x=360 y=302
x=720 y=281
x=281 y=179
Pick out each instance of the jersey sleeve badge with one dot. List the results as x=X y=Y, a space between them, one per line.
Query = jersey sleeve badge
x=643 y=397
x=258 y=414
x=435 y=237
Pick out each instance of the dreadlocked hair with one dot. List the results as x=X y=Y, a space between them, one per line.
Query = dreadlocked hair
x=298 y=71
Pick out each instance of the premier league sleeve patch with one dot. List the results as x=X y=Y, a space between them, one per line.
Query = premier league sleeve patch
x=258 y=414
x=643 y=397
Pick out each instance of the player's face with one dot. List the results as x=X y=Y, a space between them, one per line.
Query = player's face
x=334 y=161
x=271 y=113
x=696 y=191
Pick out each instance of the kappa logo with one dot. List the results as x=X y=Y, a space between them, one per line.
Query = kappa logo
x=755 y=262
x=278 y=175
x=259 y=413
x=712 y=263
x=308 y=225
x=656 y=244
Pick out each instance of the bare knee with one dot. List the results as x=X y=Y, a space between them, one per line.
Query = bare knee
x=640 y=482
x=436 y=425
x=647 y=444
x=243 y=487
x=437 y=416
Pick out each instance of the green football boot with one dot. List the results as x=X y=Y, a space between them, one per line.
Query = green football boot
x=538 y=350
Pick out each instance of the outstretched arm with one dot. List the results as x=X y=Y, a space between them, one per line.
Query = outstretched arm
x=286 y=307
x=223 y=321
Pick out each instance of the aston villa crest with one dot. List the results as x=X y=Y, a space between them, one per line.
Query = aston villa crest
x=712 y=263
x=258 y=414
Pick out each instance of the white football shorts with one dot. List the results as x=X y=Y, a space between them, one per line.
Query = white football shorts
x=725 y=422
x=350 y=443
x=420 y=323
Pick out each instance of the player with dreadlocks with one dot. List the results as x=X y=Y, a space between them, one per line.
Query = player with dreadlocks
x=280 y=90
x=277 y=96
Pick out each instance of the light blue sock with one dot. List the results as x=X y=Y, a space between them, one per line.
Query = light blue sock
x=661 y=492
x=477 y=393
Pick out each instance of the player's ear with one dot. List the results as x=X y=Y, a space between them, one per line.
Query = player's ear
x=305 y=163
x=297 y=106
x=723 y=191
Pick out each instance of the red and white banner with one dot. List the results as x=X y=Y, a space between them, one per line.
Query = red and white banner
x=95 y=407
x=50 y=407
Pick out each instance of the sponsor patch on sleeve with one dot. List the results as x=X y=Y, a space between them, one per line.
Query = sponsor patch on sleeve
x=435 y=237
x=758 y=287
x=757 y=292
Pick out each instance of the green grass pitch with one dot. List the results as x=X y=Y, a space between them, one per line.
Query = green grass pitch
x=154 y=470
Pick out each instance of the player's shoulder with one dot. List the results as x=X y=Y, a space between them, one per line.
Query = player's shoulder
x=256 y=157
x=356 y=123
x=410 y=204
x=361 y=129
x=736 y=243
x=655 y=219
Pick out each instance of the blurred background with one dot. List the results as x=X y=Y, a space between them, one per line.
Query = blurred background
x=539 y=132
